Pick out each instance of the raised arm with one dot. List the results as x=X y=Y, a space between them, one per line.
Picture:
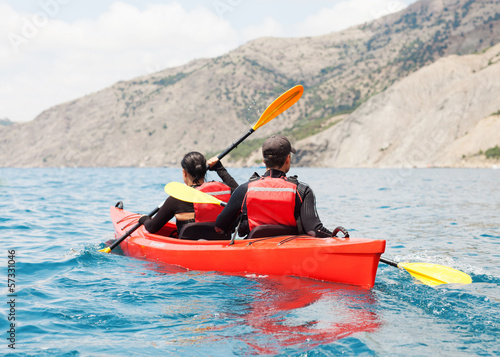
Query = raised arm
x=215 y=165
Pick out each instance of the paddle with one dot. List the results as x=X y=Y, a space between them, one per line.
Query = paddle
x=429 y=274
x=129 y=232
x=432 y=274
x=280 y=104
x=188 y=194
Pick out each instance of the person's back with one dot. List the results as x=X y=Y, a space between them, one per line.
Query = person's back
x=206 y=212
x=273 y=199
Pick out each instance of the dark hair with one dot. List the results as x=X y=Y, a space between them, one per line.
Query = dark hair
x=274 y=162
x=195 y=164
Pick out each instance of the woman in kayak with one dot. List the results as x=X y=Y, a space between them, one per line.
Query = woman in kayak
x=194 y=167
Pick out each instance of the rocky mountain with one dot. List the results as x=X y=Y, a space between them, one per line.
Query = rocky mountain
x=444 y=114
x=208 y=103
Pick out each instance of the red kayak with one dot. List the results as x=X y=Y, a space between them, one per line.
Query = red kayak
x=342 y=260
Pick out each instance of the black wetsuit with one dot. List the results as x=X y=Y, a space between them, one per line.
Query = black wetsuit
x=305 y=209
x=172 y=205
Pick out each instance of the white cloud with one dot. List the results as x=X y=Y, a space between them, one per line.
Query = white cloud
x=270 y=27
x=346 y=14
x=53 y=61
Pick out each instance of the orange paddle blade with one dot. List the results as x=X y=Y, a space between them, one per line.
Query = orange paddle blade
x=280 y=104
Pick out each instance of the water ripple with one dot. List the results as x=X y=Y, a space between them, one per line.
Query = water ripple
x=74 y=300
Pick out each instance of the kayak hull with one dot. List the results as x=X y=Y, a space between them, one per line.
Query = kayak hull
x=342 y=260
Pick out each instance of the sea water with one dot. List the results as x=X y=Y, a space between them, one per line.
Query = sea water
x=62 y=297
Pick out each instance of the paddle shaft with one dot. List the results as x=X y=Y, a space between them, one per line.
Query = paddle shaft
x=235 y=144
x=389 y=262
x=278 y=106
x=132 y=230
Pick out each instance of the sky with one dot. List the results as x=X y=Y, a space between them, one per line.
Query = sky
x=53 y=51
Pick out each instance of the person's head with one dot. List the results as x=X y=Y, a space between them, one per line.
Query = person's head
x=276 y=152
x=194 y=164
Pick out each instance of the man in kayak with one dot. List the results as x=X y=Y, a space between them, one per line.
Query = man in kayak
x=194 y=168
x=274 y=198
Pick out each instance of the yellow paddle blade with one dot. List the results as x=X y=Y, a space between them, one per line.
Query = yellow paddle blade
x=434 y=274
x=188 y=194
x=105 y=250
x=280 y=104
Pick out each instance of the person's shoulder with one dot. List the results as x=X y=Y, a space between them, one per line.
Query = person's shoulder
x=255 y=176
x=302 y=187
x=295 y=179
x=242 y=187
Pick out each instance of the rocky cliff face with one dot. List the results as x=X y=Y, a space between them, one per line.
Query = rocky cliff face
x=441 y=115
x=208 y=103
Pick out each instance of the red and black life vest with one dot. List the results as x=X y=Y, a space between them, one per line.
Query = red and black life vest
x=208 y=212
x=271 y=200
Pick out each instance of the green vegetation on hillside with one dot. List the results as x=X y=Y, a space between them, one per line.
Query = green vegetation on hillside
x=309 y=128
x=361 y=70
x=296 y=133
x=170 y=80
x=493 y=153
x=417 y=54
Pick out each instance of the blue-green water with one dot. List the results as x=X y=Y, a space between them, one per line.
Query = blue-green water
x=72 y=300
